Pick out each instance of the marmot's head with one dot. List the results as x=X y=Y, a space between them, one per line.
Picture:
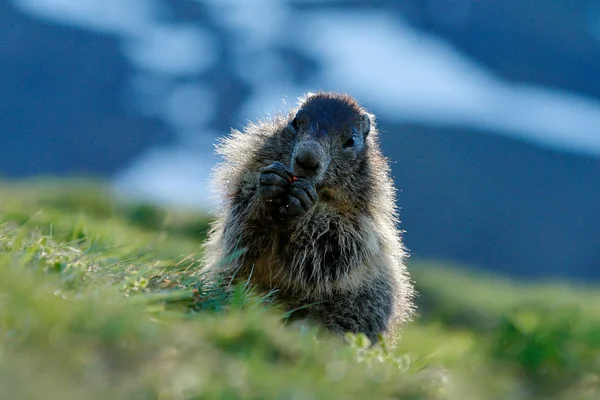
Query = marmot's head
x=331 y=133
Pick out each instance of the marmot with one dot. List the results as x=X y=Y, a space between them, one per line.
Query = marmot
x=310 y=199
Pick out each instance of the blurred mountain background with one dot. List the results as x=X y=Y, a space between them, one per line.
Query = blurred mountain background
x=489 y=110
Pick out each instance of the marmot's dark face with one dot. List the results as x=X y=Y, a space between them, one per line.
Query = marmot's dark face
x=330 y=132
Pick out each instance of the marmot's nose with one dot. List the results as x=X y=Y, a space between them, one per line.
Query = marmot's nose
x=307 y=160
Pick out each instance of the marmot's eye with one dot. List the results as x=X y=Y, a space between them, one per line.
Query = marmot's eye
x=349 y=143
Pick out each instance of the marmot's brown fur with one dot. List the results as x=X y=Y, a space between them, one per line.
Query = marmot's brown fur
x=310 y=199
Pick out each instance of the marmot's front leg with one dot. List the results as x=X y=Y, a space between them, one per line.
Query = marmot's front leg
x=368 y=311
x=283 y=194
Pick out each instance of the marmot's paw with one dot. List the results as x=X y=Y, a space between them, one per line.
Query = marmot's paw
x=302 y=196
x=289 y=195
x=273 y=183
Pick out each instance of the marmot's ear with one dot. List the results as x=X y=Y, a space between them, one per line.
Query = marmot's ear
x=304 y=98
x=365 y=123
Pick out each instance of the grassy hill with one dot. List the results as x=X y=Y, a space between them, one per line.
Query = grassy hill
x=103 y=300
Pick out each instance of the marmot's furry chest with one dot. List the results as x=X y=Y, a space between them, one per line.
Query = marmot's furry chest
x=313 y=261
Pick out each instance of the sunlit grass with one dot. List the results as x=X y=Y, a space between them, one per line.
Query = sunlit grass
x=100 y=299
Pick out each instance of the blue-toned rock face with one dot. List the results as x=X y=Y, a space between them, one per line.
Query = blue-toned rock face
x=139 y=90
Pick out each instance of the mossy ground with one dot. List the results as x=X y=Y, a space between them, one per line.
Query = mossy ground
x=103 y=300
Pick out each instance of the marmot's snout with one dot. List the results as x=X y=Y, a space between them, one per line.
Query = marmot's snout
x=309 y=160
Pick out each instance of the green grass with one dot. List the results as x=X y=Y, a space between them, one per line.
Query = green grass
x=104 y=300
